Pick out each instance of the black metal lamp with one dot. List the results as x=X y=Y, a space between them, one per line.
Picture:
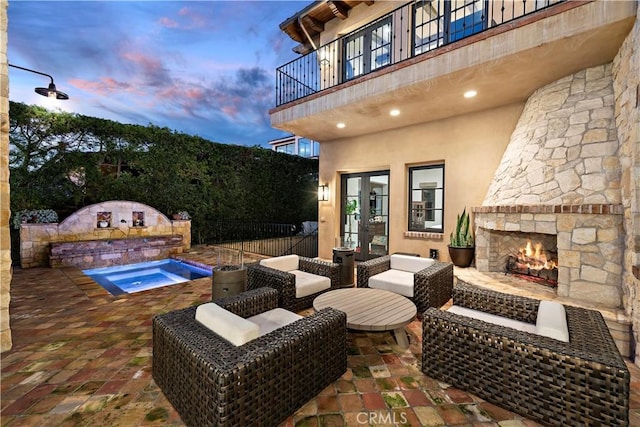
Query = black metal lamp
x=323 y=193
x=49 y=92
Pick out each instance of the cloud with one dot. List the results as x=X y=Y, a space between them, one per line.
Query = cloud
x=195 y=19
x=103 y=87
x=168 y=22
x=185 y=19
x=148 y=68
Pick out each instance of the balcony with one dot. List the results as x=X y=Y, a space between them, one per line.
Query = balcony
x=409 y=31
x=422 y=56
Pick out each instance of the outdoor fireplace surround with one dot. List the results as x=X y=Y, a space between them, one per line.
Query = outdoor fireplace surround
x=589 y=245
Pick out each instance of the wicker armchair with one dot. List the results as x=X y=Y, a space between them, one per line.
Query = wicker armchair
x=211 y=382
x=580 y=382
x=259 y=276
x=431 y=286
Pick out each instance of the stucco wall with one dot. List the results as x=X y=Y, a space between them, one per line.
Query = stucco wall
x=469 y=145
x=626 y=86
x=5 y=213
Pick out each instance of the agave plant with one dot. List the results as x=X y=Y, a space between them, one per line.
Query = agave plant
x=462 y=237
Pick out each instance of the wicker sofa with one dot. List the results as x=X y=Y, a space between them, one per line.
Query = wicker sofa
x=211 y=382
x=284 y=282
x=580 y=382
x=431 y=286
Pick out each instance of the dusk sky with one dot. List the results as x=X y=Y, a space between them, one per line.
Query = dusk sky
x=203 y=68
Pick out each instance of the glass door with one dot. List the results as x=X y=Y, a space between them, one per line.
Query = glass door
x=365 y=214
x=368 y=49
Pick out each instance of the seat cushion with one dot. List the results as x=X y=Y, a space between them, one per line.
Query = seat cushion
x=309 y=284
x=412 y=264
x=492 y=318
x=398 y=281
x=271 y=320
x=552 y=321
x=233 y=328
x=282 y=263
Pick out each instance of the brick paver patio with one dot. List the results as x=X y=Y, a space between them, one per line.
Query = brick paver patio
x=81 y=357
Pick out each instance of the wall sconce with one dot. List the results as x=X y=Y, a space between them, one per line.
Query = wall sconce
x=49 y=92
x=324 y=61
x=323 y=193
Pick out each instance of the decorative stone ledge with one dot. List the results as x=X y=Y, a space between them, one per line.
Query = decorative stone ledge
x=597 y=209
x=105 y=253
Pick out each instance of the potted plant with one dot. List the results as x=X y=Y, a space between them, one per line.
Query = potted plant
x=34 y=216
x=462 y=246
x=350 y=208
x=181 y=216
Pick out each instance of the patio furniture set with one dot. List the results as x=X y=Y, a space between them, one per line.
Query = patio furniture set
x=250 y=359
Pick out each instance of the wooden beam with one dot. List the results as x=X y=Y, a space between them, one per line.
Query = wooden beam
x=312 y=23
x=339 y=9
x=369 y=3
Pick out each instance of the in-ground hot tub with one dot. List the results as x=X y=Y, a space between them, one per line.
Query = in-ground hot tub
x=142 y=276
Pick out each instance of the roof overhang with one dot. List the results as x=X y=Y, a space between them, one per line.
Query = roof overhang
x=306 y=25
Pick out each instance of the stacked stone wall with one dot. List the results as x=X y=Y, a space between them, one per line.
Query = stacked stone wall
x=84 y=225
x=5 y=213
x=626 y=85
x=564 y=149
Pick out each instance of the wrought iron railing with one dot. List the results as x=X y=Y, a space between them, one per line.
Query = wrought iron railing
x=261 y=238
x=408 y=31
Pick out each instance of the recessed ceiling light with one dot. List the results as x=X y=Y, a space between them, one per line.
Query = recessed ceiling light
x=340 y=125
x=470 y=94
x=394 y=112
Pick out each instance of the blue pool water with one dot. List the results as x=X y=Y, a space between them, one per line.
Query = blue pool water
x=142 y=276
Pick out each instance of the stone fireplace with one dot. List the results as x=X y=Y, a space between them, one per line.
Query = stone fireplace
x=559 y=182
x=588 y=240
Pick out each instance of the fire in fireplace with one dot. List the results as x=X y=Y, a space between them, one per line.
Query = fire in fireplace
x=535 y=264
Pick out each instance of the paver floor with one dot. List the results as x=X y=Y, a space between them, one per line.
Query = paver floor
x=81 y=357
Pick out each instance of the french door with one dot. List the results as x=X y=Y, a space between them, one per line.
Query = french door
x=365 y=214
x=368 y=49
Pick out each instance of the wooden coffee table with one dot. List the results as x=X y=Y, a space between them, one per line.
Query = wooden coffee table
x=371 y=310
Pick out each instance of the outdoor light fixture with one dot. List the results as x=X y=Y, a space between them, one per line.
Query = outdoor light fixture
x=341 y=125
x=395 y=112
x=323 y=193
x=49 y=92
x=470 y=94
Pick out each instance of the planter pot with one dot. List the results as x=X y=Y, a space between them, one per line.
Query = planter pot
x=462 y=257
x=228 y=280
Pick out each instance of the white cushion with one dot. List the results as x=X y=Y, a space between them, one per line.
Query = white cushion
x=409 y=263
x=273 y=319
x=282 y=263
x=398 y=281
x=492 y=318
x=230 y=326
x=309 y=284
x=552 y=321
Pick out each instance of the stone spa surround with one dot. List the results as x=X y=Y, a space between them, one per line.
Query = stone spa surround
x=104 y=234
